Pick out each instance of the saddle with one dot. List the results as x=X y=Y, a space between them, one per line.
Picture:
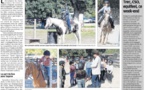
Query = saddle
x=59 y=30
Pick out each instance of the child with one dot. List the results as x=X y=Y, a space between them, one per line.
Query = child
x=88 y=67
x=110 y=67
x=45 y=64
x=62 y=73
x=102 y=69
x=80 y=76
x=103 y=10
x=72 y=73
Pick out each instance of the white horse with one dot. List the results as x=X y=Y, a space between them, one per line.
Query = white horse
x=105 y=29
x=62 y=28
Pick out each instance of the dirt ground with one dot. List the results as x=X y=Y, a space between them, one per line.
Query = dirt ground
x=113 y=39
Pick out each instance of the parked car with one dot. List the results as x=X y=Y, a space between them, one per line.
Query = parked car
x=93 y=20
x=87 y=20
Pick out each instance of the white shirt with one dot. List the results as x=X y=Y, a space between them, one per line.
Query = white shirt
x=96 y=65
x=110 y=68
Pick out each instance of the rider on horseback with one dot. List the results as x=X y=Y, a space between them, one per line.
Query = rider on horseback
x=45 y=66
x=103 y=10
x=67 y=18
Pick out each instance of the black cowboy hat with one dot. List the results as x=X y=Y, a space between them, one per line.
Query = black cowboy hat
x=47 y=53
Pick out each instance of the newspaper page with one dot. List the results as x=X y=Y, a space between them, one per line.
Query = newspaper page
x=61 y=44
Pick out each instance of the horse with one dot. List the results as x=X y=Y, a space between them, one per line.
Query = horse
x=105 y=29
x=62 y=28
x=35 y=71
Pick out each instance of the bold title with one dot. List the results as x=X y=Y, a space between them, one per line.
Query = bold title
x=132 y=6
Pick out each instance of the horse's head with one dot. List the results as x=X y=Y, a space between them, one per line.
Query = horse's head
x=28 y=69
x=48 y=23
x=106 y=18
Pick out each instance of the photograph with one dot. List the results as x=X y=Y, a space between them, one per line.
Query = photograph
x=89 y=68
x=40 y=68
x=60 y=22
x=108 y=32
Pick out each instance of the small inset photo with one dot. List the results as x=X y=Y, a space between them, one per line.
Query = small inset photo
x=108 y=32
x=41 y=68
x=89 y=68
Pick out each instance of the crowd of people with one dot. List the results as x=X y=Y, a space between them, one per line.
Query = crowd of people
x=81 y=71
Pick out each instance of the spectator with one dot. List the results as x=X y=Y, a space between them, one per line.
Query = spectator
x=102 y=69
x=80 y=76
x=88 y=67
x=82 y=60
x=72 y=73
x=62 y=73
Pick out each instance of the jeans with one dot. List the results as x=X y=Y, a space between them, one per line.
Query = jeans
x=68 y=22
x=81 y=83
x=54 y=72
x=95 y=81
x=72 y=80
x=89 y=72
x=46 y=72
x=102 y=75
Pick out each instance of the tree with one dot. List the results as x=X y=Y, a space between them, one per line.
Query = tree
x=39 y=8
x=113 y=3
x=42 y=8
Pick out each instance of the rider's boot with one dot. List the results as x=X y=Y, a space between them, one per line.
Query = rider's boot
x=48 y=83
x=112 y=23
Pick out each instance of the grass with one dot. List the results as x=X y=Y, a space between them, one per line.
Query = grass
x=70 y=36
x=88 y=26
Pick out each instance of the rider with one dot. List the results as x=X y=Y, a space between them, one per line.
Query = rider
x=107 y=9
x=45 y=65
x=67 y=18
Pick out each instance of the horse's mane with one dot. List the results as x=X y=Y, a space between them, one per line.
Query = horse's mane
x=57 y=20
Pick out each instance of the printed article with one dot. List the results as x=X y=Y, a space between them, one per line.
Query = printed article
x=66 y=44
x=11 y=45
x=132 y=43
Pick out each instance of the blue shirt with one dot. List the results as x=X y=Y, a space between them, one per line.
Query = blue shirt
x=88 y=64
x=105 y=9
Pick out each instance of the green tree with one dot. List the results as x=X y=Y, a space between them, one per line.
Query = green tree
x=42 y=8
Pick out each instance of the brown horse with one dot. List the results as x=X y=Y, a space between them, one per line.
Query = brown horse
x=105 y=29
x=34 y=70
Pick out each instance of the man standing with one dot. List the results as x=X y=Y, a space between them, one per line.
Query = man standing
x=96 y=64
x=45 y=65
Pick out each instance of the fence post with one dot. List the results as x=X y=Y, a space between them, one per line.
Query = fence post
x=34 y=32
